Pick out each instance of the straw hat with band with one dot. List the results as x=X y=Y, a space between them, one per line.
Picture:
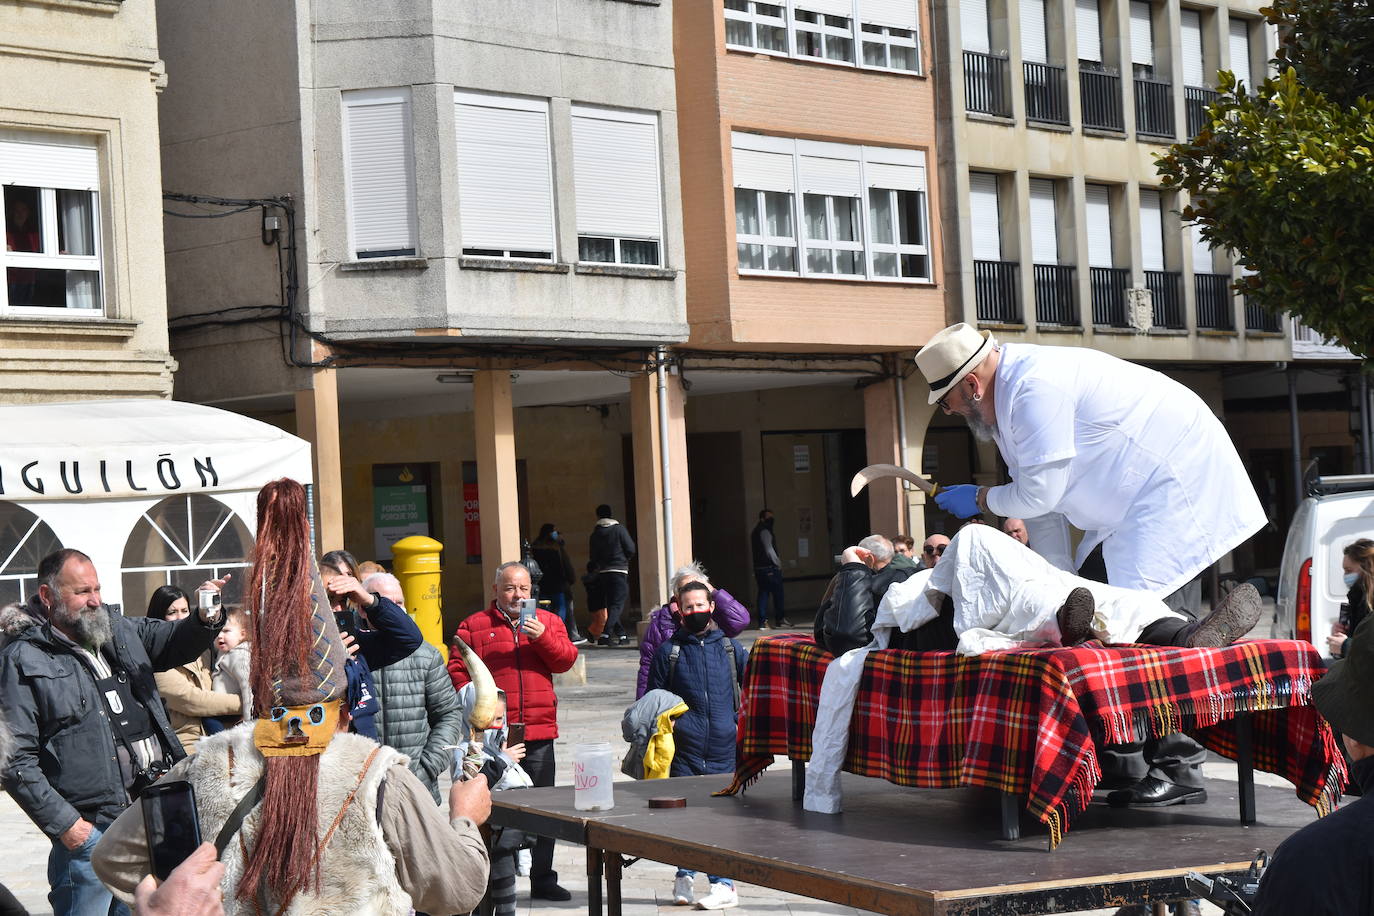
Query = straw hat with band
x=952 y=354
x=1344 y=696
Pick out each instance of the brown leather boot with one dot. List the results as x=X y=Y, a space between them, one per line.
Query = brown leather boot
x=1075 y=617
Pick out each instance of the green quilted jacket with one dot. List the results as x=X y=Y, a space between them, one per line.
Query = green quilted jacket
x=419 y=714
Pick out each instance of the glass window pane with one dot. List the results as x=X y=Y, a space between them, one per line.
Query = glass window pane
x=638 y=251
x=741 y=6
x=83 y=289
x=846 y=218
x=750 y=257
x=23 y=215
x=818 y=261
x=902 y=58
x=806 y=16
x=34 y=287
x=595 y=249
x=880 y=215
x=25 y=541
x=808 y=43
x=772 y=37
x=915 y=265
x=815 y=217
x=885 y=264
x=746 y=212
x=910 y=207
x=849 y=262
x=779 y=207
x=768 y=9
x=739 y=33
x=900 y=33
x=839 y=49
x=875 y=54
x=837 y=22
x=75 y=223
x=780 y=258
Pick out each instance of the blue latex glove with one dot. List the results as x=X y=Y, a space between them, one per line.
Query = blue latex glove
x=960 y=500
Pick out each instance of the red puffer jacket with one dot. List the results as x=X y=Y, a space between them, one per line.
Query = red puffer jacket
x=522 y=667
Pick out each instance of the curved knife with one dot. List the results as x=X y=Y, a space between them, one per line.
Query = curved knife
x=879 y=471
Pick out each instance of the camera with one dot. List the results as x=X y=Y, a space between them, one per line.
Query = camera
x=148 y=775
x=208 y=600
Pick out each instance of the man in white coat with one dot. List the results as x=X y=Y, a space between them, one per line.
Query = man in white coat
x=1127 y=455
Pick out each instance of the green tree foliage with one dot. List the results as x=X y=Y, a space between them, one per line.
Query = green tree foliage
x=1284 y=177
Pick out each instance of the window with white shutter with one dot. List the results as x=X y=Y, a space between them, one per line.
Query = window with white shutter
x=1239 y=41
x=1202 y=253
x=505 y=180
x=824 y=29
x=756 y=26
x=830 y=209
x=984 y=217
x=1034 y=46
x=379 y=173
x=1044 y=228
x=1097 y=221
x=889 y=35
x=1190 y=26
x=1151 y=230
x=870 y=34
x=1142 y=37
x=618 y=189
x=973 y=26
x=50 y=187
x=1089 y=26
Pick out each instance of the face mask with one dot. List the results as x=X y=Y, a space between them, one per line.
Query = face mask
x=1350 y=579
x=696 y=623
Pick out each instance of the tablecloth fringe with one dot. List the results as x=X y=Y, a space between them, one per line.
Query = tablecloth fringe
x=745 y=776
x=1165 y=718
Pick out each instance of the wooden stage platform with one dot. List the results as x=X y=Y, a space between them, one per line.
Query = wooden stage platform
x=907 y=851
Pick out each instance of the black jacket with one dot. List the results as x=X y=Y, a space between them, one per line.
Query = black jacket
x=764 y=546
x=553 y=562
x=64 y=765
x=1356 y=611
x=1326 y=867
x=610 y=547
x=845 y=618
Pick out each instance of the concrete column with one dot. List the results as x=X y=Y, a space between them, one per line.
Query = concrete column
x=317 y=420
x=882 y=447
x=653 y=581
x=679 y=484
x=494 y=431
x=918 y=417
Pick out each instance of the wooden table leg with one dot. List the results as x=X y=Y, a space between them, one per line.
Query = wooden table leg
x=612 y=884
x=1245 y=767
x=594 y=857
x=1011 y=815
x=798 y=780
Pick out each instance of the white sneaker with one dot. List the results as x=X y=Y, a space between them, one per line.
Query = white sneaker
x=683 y=895
x=722 y=897
x=523 y=861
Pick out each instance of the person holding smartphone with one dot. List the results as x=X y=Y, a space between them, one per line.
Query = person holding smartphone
x=523 y=647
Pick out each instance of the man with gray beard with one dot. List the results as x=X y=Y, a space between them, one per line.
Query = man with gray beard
x=90 y=731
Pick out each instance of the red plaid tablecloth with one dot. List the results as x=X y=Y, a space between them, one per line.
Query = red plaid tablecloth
x=1028 y=722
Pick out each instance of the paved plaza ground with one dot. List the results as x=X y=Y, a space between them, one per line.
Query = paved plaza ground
x=589 y=712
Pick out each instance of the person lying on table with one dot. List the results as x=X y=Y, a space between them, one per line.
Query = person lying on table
x=1003 y=595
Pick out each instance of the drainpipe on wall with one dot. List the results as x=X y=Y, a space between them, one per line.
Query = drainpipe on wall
x=901 y=446
x=1366 y=434
x=665 y=467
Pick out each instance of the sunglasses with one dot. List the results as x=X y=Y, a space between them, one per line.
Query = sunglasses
x=935 y=551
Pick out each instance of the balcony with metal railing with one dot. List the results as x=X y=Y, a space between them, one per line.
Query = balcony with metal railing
x=1213 y=295
x=997 y=290
x=1166 y=291
x=1108 y=285
x=1154 y=107
x=1195 y=102
x=1099 y=93
x=987 y=84
x=1047 y=93
x=1258 y=318
x=1056 y=295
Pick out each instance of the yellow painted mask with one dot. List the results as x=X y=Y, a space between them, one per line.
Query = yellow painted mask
x=297 y=731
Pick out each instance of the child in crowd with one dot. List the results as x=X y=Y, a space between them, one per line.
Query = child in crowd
x=502 y=770
x=231 y=671
x=705 y=668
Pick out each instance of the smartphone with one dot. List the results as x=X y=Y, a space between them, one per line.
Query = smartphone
x=515 y=733
x=527 y=609
x=173 y=828
x=344 y=621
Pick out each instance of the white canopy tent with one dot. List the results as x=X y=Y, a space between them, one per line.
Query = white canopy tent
x=156 y=492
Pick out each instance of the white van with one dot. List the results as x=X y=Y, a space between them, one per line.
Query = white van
x=1337 y=510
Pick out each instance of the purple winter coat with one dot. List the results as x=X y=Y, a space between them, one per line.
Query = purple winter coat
x=731 y=616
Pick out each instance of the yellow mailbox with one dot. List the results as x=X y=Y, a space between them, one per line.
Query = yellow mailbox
x=417 y=566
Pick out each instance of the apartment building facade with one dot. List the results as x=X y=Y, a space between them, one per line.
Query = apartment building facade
x=814 y=258
x=451 y=246
x=82 y=306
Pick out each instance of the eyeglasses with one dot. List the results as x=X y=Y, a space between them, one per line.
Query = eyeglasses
x=932 y=550
x=942 y=401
